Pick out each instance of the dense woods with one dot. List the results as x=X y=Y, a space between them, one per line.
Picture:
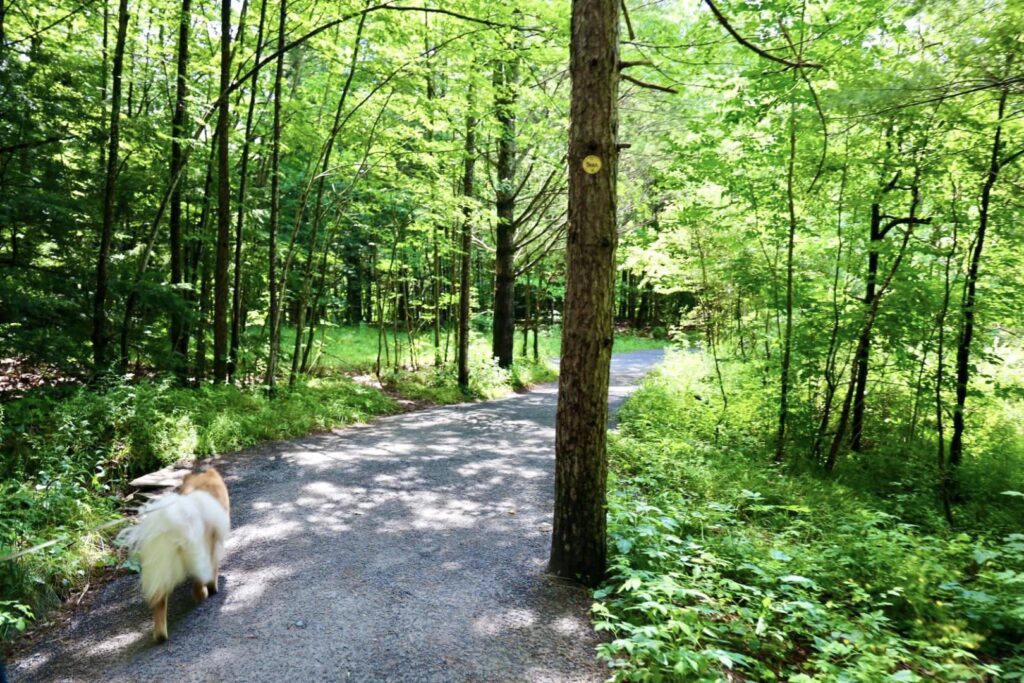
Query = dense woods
x=227 y=222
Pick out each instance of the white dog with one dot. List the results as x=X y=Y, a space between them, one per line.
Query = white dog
x=181 y=536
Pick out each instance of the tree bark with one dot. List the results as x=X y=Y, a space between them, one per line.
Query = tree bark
x=578 y=544
x=466 y=247
x=220 y=274
x=99 y=315
x=506 y=79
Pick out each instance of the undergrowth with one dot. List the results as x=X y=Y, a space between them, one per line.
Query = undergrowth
x=727 y=568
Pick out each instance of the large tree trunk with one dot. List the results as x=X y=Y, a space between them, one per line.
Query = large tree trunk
x=220 y=274
x=275 y=205
x=506 y=78
x=466 y=247
x=99 y=314
x=578 y=549
x=178 y=330
x=963 y=349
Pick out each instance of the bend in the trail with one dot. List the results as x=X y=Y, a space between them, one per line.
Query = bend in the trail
x=411 y=549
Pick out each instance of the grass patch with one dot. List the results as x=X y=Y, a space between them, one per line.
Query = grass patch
x=724 y=567
x=353 y=349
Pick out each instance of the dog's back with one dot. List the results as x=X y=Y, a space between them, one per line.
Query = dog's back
x=209 y=481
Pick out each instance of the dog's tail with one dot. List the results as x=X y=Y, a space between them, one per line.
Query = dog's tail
x=175 y=539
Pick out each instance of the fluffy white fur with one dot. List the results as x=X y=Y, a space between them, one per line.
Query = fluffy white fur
x=178 y=537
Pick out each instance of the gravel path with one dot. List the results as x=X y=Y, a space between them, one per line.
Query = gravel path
x=412 y=549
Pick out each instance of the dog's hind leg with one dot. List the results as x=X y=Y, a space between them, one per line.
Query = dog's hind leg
x=159 y=606
x=198 y=590
x=215 y=561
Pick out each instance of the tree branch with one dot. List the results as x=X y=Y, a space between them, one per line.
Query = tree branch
x=629 y=24
x=754 y=48
x=1011 y=158
x=34 y=143
x=625 y=64
x=645 y=84
x=909 y=220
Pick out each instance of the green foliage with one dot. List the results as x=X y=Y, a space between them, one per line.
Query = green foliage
x=33 y=512
x=722 y=563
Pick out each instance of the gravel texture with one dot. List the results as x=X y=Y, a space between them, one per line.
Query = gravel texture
x=411 y=549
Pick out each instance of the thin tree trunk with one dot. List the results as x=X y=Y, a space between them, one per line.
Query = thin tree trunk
x=862 y=356
x=466 y=247
x=178 y=331
x=536 y=319
x=99 y=315
x=103 y=82
x=963 y=349
x=578 y=539
x=437 y=297
x=203 y=266
x=204 y=315
x=318 y=204
x=710 y=330
x=237 y=322
x=787 y=339
x=945 y=483
x=220 y=274
x=274 y=310
x=196 y=267
x=315 y=311
x=869 y=321
x=526 y=322
x=831 y=381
